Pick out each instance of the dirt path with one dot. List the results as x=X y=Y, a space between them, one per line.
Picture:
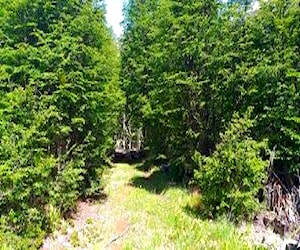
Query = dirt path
x=144 y=210
x=98 y=225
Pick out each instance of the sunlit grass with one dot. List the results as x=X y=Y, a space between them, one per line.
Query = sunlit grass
x=165 y=223
x=158 y=216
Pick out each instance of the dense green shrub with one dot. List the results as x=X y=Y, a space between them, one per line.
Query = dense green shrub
x=59 y=106
x=231 y=177
x=291 y=146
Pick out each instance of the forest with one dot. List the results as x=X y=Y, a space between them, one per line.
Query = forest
x=212 y=88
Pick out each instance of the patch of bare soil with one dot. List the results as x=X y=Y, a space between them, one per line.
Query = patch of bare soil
x=86 y=213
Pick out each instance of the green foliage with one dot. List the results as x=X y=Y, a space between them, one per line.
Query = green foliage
x=59 y=106
x=189 y=66
x=292 y=148
x=231 y=177
x=164 y=92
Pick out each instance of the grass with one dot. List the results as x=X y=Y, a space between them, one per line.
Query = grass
x=163 y=222
x=158 y=215
x=145 y=210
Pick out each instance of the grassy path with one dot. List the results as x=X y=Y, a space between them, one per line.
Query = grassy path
x=143 y=210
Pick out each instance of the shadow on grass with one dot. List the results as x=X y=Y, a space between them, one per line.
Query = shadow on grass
x=145 y=166
x=100 y=196
x=97 y=198
x=197 y=212
x=157 y=181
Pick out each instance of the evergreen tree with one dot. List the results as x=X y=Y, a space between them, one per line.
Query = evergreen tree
x=59 y=108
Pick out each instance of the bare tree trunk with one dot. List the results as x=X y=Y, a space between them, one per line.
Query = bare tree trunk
x=129 y=134
x=139 y=138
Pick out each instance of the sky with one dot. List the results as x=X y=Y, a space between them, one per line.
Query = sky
x=114 y=15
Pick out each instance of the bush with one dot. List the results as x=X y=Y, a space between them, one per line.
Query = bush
x=231 y=177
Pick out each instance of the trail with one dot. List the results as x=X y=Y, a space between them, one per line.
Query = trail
x=143 y=210
x=100 y=224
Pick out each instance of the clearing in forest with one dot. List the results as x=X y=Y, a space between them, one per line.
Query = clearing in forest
x=143 y=210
